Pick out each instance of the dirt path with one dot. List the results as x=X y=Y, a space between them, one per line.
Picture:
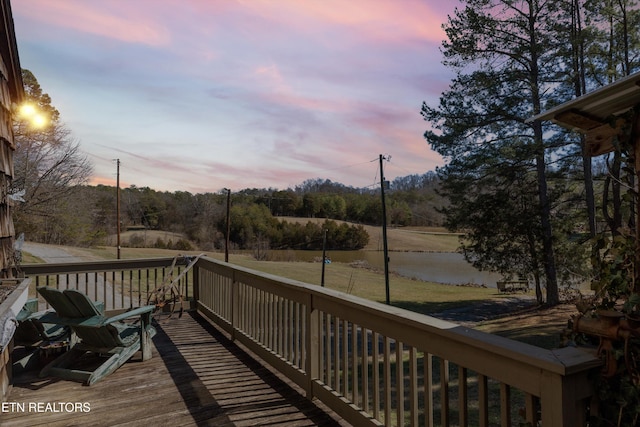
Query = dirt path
x=53 y=254
x=59 y=255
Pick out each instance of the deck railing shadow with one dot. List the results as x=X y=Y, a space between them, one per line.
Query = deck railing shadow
x=202 y=404
x=371 y=363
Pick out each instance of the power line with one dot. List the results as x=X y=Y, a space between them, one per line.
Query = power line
x=346 y=166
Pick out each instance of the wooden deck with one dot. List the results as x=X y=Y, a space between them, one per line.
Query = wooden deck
x=197 y=377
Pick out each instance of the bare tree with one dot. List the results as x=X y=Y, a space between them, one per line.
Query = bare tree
x=48 y=164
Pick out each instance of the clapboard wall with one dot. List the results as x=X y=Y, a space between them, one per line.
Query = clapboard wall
x=11 y=94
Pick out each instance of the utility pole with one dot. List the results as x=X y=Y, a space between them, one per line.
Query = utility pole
x=118 y=205
x=226 y=244
x=384 y=231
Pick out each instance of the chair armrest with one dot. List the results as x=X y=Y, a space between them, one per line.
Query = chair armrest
x=28 y=310
x=91 y=322
x=94 y=321
x=131 y=313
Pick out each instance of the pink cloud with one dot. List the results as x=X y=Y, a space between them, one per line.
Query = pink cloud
x=382 y=19
x=391 y=21
x=121 y=20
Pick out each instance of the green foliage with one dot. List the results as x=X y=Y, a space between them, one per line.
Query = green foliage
x=614 y=261
x=202 y=217
x=619 y=396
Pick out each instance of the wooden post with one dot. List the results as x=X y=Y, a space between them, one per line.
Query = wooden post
x=312 y=345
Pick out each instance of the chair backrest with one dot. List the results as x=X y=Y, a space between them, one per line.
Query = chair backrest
x=71 y=303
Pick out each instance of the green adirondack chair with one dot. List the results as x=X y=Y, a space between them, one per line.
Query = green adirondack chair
x=31 y=331
x=108 y=339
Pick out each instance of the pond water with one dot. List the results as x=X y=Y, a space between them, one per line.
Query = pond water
x=441 y=267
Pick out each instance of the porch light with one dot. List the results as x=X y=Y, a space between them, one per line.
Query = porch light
x=31 y=113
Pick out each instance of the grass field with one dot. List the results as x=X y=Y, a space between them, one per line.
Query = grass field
x=425 y=297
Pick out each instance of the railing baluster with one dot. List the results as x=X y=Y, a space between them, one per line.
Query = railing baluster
x=95 y=285
x=104 y=289
x=444 y=392
x=139 y=288
x=354 y=365
x=375 y=364
x=364 y=342
x=121 y=289
x=146 y=287
x=287 y=330
x=304 y=328
x=483 y=400
x=336 y=354
x=428 y=389
x=281 y=339
x=326 y=338
x=505 y=405
x=298 y=329
x=269 y=319
x=387 y=381
x=463 y=397
x=399 y=383
x=113 y=290
x=531 y=413
x=344 y=363
x=413 y=386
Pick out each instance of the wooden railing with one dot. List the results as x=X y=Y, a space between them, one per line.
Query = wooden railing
x=379 y=365
x=371 y=363
x=120 y=284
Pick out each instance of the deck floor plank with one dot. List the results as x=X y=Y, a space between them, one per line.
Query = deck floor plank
x=196 y=377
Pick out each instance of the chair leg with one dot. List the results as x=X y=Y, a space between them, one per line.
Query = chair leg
x=63 y=361
x=145 y=336
x=110 y=365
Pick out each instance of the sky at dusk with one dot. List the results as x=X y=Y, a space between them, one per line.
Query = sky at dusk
x=200 y=95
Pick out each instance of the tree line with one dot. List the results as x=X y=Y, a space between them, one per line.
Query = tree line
x=87 y=216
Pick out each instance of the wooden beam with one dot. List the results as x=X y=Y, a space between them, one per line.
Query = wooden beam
x=578 y=120
x=599 y=140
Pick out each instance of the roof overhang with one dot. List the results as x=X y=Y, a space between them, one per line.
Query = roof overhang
x=594 y=114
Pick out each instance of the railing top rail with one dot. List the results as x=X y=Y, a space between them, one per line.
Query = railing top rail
x=405 y=325
x=93 y=266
